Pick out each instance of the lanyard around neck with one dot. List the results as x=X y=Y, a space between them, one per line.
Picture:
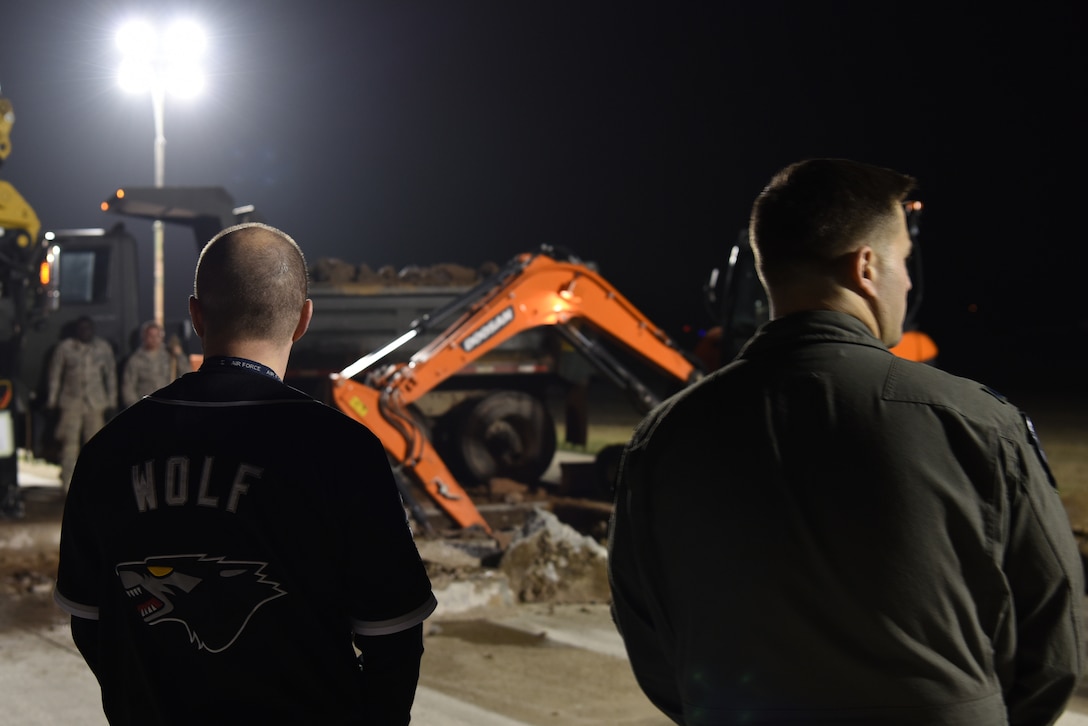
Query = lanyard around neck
x=242 y=364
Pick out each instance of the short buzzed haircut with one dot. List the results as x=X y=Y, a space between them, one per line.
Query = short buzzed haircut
x=251 y=283
x=815 y=211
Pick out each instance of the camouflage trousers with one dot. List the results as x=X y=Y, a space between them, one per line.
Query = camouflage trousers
x=78 y=423
x=11 y=499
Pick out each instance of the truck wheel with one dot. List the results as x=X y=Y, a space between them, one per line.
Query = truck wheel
x=506 y=434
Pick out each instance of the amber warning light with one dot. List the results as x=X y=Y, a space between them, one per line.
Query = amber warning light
x=45 y=268
x=119 y=194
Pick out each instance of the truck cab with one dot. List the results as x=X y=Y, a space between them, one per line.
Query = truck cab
x=95 y=276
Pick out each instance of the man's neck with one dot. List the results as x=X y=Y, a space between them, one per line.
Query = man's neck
x=838 y=300
x=258 y=352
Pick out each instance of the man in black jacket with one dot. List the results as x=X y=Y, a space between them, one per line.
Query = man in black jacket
x=227 y=539
x=822 y=532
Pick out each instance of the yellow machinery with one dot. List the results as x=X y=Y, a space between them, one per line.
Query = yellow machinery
x=27 y=289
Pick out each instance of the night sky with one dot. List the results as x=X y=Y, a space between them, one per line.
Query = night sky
x=635 y=134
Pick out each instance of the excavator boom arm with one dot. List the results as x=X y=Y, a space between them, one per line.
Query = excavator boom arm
x=544 y=291
x=533 y=290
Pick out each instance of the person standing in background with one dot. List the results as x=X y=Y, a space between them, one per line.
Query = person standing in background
x=82 y=387
x=151 y=366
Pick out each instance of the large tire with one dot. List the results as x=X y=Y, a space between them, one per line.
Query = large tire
x=507 y=434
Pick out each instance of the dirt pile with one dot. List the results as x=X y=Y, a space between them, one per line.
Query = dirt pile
x=549 y=561
x=544 y=560
x=28 y=566
x=447 y=274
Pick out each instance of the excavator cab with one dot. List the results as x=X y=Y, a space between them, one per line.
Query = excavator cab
x=736 y=300
x=735 y=297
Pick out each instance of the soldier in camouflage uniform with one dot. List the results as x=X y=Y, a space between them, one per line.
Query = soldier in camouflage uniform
x=82 y=386
x=152 y=366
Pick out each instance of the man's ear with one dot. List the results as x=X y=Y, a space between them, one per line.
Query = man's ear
x=197 y=316
x=304 y=318
x=863 y=271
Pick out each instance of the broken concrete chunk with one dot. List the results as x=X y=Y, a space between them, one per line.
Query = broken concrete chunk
x=550 y=561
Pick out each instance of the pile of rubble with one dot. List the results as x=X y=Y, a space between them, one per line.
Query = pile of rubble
x=544 y=561
x=338 y=272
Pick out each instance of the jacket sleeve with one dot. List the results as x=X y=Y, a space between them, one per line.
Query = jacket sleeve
x=85 y=634
x=1045 y=574
x=636 y=607
x=390 y=665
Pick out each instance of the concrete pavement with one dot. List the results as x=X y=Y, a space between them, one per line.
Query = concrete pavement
x=44 y=682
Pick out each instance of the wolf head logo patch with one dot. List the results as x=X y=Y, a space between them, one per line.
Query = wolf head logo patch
x=212 y=597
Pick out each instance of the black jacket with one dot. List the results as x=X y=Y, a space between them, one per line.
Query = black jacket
x=822 y=532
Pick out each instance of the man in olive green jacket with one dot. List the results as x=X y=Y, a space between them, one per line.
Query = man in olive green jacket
x=822 y=532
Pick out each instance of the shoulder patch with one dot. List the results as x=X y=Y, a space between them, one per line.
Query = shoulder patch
x=1033 y=438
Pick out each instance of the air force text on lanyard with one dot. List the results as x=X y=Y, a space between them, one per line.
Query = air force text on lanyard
x=242 y=364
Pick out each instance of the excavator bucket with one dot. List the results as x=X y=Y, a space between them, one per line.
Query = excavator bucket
x=408 y=445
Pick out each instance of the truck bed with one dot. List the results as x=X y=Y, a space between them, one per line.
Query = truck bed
x=353 y=319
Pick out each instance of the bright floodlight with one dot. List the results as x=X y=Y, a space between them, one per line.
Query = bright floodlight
x=184 y=79
x=135 y=76
x=160 y=63
x=166 y=62
x=136 y=39
x=184 y=39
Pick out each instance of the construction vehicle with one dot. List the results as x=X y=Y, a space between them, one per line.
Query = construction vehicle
x=356 y=311
x=499 y=426
x=353 y=318
x=502 y=433
x=483 y=340
x=48 y=280
x=27 y=287
x=499 y=430
x=437 y=336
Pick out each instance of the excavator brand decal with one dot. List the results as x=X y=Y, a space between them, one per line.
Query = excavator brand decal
x=488 y=329
x=444 y=490
x=503 y=434
x=358 y=406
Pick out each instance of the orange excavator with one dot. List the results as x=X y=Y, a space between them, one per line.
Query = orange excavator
x=509 y=433
x=550 y=288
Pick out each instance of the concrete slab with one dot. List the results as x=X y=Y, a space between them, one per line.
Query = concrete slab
x=45 y=681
